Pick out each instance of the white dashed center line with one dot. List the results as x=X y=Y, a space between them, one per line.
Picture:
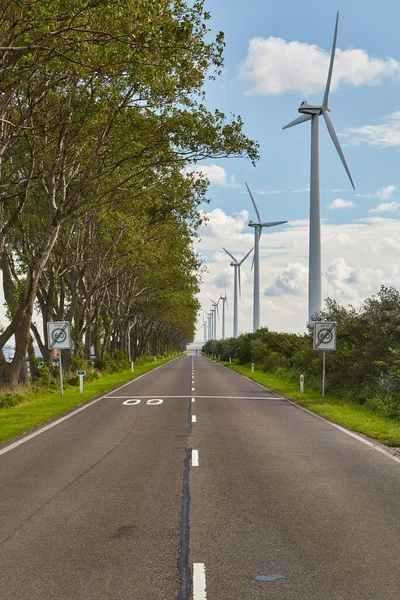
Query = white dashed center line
x=195 y=458
x=193 y=418
x=199 y=581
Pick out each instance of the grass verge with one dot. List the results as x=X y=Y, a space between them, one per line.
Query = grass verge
x=37 y=407
x=352 y=416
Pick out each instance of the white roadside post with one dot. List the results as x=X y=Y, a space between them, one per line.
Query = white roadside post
x=81 y=374
x=230 y=360
x=301 y=384
x=59 y=338
x=132 y=367
x=325 y=340
x=252 y=367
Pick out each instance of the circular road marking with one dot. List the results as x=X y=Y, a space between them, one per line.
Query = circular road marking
x=131 y=402
x=154 y=401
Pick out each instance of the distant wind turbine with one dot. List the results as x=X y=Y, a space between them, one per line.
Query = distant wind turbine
x=215 y=313
x=312 y=113
x=237 y=288
x=258 y=227
x=224 y=301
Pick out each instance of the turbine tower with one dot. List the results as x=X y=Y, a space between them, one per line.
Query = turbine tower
x=258 y=227
x=215 y=312
x=312 y=113
x=237 y=288
x=224 y=301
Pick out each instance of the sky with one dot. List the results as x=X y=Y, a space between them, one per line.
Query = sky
x=276 y=56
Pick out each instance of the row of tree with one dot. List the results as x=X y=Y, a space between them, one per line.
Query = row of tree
x=101 y=117
x=364 y=368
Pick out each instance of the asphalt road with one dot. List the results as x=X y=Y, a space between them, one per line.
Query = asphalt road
x=156 y=501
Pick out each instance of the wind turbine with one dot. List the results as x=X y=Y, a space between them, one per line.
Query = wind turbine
x=237 y=288
x=258 y=227
x=216 y=313
x=204 y=326
x=312 y=113
x=224 y=301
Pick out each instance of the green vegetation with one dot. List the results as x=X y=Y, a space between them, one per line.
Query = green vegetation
x=363 y=374
x=24 y=409
x=103 y=121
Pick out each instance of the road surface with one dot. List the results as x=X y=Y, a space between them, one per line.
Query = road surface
x=222 y=491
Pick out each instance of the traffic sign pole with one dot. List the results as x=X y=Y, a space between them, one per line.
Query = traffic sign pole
x=323 y=372
x=61 y=375
x=81 y=384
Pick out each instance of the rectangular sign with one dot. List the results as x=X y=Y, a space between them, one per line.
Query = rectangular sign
x=58 y=334
x=81 y=372
x=324 y=336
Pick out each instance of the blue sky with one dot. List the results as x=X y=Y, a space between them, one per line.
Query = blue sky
x=277 y=55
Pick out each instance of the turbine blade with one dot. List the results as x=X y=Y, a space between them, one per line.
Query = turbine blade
x=273 y=223
x=297 y=121
x=335 y=140
x=240 y=284
x=244 y=258
x=328 y=81
x=254 y=204
x=231 y=255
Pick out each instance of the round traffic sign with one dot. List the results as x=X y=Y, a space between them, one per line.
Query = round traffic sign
x=59 y=335
x=324 y=336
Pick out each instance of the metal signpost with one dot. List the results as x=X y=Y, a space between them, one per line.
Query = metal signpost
x=324 y=339
x=59 y=338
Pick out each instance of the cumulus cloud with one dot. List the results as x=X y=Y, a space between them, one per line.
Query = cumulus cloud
x=292 y=280
x=385 y=207
x=274 y=66
x=349 y=283
x=386 y=192
x=216 y=174
x=340 y=203
x=224 y=227
x=384 y=135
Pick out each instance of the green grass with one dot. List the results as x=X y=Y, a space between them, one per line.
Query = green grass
x=334 y=408
x=38 y=407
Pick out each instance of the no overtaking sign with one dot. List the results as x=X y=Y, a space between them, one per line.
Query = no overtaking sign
x=324 y=336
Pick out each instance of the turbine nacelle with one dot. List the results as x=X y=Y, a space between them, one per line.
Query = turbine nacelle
x=310 y=109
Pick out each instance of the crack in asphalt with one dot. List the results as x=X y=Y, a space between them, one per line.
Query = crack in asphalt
x=183 y=559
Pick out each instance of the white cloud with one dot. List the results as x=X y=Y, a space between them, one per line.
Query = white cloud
x=386 y=192
x=216 y=174
x=292 y=280
x=223 y=227
x=274 y=66
x=349 y=283
x=340 y=203
x=385 y=135
x=385 y=207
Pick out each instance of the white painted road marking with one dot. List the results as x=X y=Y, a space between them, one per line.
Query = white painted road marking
x=155 y=402
x=192 y=389
x=199 y=582
x=193 y=400
x=193 y=418
x=131 y=402
x=195 y=458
